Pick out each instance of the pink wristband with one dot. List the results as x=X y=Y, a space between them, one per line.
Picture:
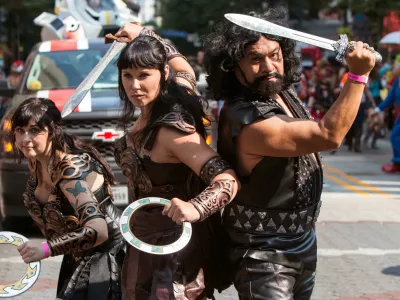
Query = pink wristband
x=46 y=249
x=358 y=78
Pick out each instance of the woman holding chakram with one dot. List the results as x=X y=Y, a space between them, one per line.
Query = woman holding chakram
x=164 y=154
x=68 y=196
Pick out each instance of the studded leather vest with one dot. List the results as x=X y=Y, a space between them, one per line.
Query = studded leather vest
x=275 y=183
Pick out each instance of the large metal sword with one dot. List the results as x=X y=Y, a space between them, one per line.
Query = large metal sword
x=84 y=87
x=260 y=25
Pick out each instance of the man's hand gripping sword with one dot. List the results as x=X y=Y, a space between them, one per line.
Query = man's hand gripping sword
x=340 y=47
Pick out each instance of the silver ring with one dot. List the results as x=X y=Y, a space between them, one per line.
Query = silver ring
x=126 y=231
x=351 y=46
x=32 y=271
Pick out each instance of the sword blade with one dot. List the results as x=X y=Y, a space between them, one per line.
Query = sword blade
x=84 y=87
x=256 y=24
x=260 y=25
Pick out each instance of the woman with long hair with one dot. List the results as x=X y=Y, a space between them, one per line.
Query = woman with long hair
x=69 y=198
x=164 y=154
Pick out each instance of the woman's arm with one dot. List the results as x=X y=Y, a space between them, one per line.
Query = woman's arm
x=184 y=72
x=193 y=151
x=92 y=232
x=390 y=97
x=93 y=228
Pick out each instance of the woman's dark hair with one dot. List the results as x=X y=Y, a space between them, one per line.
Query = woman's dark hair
x=224 y=47
x=148 y=52
x=45 y=114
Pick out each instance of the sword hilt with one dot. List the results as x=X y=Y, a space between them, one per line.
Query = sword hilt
x=343 y=44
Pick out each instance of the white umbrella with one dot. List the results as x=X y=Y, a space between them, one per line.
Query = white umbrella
x=391 y=38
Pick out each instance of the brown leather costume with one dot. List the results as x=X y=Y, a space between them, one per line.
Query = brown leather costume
x=188 y=274
x=67 y=234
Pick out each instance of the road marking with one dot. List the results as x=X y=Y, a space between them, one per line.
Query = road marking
x=346 y=185
x=394 y=183
x=359 y=251
x=356 y=181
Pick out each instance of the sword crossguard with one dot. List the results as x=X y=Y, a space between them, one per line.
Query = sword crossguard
x=343 y=44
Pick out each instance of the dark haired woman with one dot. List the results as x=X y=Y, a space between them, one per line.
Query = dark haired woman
x=162 y=155
x=267 y=135
x=68 y=196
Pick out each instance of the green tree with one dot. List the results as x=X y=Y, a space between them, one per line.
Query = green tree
x=22 y=34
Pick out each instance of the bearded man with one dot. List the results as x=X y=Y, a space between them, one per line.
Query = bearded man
x=268 y=136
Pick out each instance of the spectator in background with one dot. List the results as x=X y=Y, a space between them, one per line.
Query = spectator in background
x=393 y=98
x=15 y=74
x=323 y=96
x=374 y=124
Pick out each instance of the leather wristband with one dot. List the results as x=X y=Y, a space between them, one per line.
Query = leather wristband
x=357 y=78
x=46 y=249
x=171 y=51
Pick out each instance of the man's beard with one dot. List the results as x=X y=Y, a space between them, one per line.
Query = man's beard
x=268 y=88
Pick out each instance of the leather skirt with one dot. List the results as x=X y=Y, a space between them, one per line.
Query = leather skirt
x=174 y=276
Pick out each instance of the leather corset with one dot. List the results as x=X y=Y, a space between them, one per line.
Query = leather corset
x=146 y=178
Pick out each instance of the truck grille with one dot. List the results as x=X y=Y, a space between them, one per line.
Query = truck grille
x=89 y=124
x=105 y=149
x=84 y=129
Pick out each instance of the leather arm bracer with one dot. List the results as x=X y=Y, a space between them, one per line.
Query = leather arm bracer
x=214 y=166
x=218 y=193
x=188 y=77
x=82 y=239
x=214 y=197
x=79 y=240
x=171 y=51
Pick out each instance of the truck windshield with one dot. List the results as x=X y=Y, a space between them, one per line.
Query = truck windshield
x=66 y=70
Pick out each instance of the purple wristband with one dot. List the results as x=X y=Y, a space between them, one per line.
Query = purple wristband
x=358 y=78
x=46 y=249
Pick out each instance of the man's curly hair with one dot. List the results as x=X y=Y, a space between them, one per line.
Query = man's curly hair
x=224 y=47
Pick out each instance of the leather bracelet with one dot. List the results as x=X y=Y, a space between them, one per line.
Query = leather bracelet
x=357 y=78
x=46 y=249
x=171 y=51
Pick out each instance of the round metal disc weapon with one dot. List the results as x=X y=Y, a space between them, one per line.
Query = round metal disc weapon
x=145 y=247
x=32 y=271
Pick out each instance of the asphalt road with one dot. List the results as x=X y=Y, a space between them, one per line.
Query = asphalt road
x=358 y=234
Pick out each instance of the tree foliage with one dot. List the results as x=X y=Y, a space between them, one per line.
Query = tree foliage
x=198 y=15
x=22 y=34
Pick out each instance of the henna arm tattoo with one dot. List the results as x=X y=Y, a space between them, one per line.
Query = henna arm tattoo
x=216 y=196
x=171 y=51
x=80 y=240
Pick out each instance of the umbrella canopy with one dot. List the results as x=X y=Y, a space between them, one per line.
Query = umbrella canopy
x=391 y=38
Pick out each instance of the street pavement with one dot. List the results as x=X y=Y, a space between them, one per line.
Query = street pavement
x=358 y=234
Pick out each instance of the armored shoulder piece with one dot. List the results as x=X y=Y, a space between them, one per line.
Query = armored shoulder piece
x=177 y=118
x=73 y=166
x=242 y=112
